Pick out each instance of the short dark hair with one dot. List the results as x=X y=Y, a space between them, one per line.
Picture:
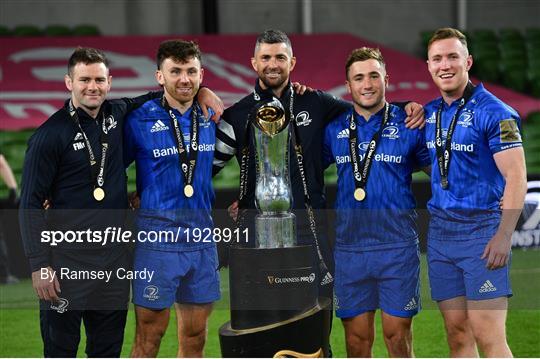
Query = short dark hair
x=86 y=55
x=363 y=54
x=177 y=50
x=448 y=33
x=272 y=36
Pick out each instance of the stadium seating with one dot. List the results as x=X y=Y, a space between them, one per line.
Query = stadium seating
x=58 y=30
x=50 y=30
x=86 y=30
x=27 y=30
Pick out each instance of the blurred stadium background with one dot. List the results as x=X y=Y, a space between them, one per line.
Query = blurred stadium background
x=37 y=36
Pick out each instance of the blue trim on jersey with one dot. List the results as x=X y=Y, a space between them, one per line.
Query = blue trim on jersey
x=149 y=141
x=469 y=209
x=386 y=218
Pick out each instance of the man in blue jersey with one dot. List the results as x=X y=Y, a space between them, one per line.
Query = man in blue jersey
x=477 y=158
x=376 y=251
x=172 y=144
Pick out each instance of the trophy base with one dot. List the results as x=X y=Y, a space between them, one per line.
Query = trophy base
x=275 y=230
x=305 y=335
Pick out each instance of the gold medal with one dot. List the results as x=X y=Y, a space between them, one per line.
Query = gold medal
x=99 y=194
x=359 y=194
x=188 y=190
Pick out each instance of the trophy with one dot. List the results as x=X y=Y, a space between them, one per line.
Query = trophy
x=275 y=224
x=275 y=309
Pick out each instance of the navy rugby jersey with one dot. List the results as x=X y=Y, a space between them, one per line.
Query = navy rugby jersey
x=386 y=217
x=469 y=208
x=149 y=141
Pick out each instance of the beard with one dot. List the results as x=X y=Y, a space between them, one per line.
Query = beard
x=273 y=84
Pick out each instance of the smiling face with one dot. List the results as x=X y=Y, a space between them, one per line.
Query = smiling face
x=180 y=80
x=449 y=63
x=89 y=85
x=366 y=82
x=273 y=64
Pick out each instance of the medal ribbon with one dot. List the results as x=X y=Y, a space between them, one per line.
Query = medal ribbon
x=444 y=152
x=361 y=169
x=187 y=164
x=97 y=173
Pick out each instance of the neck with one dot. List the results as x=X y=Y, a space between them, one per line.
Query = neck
x=368 y=112
x=92 y=112
x=276 y=91
x=180 y=106
x=452 y=96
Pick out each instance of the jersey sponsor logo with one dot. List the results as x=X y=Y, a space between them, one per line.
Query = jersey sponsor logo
x=460 y=147
x=273 y=280
x=303 y=119
x=78 y=143
x=343 y=133
x=487 y=287
x=379 y=157
x=363 y=146
x=431 y=119
x=412 y=305
x=171 y=151
x=391 y=132
x=509 y=131
x=151 y=293
x=108 y=124
x=465 y=118
x=159 y=126
x=60 y=305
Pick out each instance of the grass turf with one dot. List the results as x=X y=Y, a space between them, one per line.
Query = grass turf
x=20 y=337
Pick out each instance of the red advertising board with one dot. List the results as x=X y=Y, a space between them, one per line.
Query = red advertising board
x=32 y=71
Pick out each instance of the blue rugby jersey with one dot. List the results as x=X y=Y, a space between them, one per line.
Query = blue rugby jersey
x=149 y=141
x=386 y=217
x=469 y=208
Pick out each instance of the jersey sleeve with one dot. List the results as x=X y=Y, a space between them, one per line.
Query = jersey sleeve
x=328 y=157
x=226 y=143
x=136 y=102
x=421 y=152
x=130 y=143
x=332 y=106
x=39 y=170
x=502 y=130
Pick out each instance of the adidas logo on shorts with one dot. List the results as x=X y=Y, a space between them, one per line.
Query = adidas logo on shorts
x=327 y=279
x=412 y=305
x=487 y=287
x=343 y=133
x=159 y=126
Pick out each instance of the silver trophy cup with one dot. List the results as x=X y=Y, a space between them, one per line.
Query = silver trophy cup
x=275 y=225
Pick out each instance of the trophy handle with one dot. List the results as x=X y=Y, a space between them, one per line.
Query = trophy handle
x=292 y=354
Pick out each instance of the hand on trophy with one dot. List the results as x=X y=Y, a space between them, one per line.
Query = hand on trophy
x=233 y=210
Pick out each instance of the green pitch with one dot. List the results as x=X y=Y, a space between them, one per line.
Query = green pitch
x=20 y=337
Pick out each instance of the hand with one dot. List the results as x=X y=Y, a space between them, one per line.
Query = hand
x=134 y=200
x=45 y=288
x=497 y=251
x=233 y=210
x=501 y=202
x=415 y=115
x=299 y=89
x=207 y=98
